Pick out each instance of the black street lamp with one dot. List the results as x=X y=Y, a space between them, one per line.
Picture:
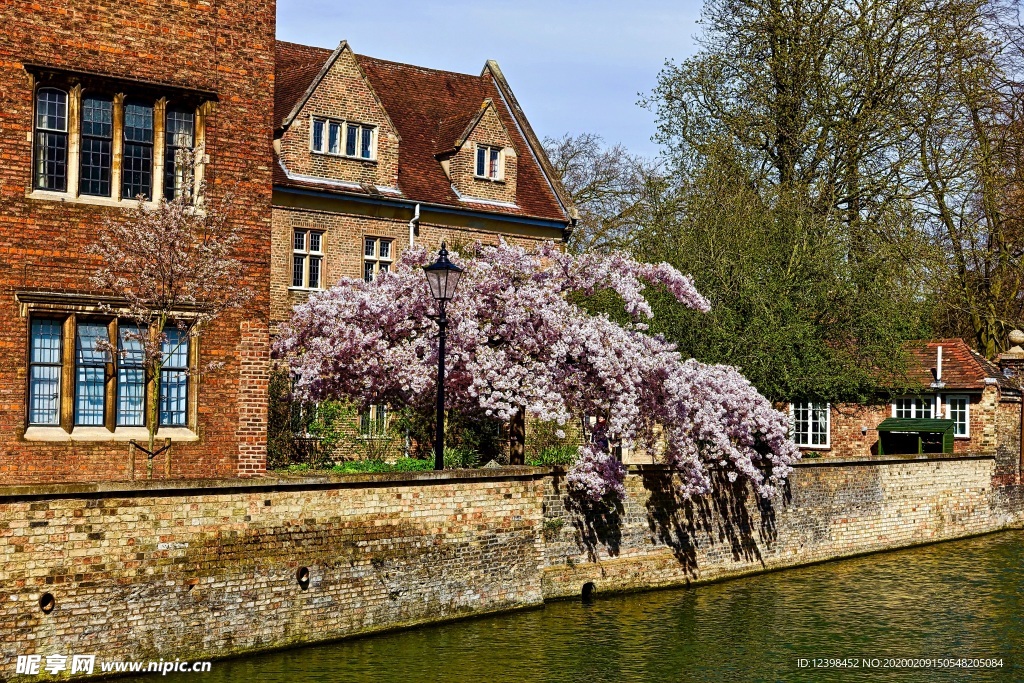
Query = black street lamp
x=443 y=277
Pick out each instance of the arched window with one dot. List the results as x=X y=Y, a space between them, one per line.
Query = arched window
x=51 y=140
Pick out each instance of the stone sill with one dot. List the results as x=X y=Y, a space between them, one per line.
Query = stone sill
x=140 y=434
x=264 y=484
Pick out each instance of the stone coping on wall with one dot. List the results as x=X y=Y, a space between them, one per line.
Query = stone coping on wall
x=827 y=461
x=270 y=482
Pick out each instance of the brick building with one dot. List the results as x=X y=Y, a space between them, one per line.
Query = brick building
x=95 y=97
x=372 y=155
x=955 y=388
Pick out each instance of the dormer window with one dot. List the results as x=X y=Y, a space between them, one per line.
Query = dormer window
x=344 y=138
x=488 y=162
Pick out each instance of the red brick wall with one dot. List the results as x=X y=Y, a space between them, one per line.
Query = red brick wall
x=224 y=48
x=993 y=426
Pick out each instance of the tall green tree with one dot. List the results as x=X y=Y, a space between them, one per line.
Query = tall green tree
x=895 y=121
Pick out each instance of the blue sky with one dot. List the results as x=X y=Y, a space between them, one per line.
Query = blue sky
x=575 y=66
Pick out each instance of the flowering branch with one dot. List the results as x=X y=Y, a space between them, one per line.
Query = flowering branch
x=517 y=343
x=173 y=264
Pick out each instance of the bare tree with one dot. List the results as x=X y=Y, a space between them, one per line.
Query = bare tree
x=608 y=185
x=172 y=265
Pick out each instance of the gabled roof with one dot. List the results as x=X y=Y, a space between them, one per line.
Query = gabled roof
x=962 y=367
x=295 y=68
x=426 y=106
x=453 y=132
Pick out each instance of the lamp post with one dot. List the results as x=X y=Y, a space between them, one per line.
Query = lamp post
x=442 y=277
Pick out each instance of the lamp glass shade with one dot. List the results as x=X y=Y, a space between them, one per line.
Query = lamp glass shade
x=443 y=276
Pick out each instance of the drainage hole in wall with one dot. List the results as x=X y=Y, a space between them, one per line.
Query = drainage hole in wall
x=302 y=576
x=47 y=602
x=588 y=591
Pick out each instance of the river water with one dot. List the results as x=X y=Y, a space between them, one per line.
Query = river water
x=962 y=600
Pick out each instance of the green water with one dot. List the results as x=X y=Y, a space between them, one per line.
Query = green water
x=963 y=599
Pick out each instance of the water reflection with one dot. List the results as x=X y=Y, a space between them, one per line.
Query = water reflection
x=961 y=599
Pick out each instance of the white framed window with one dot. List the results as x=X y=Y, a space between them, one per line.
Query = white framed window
x=343 y=138
x=914 y=407
x=373 y=424
x=958 y=409
x=489 y=162
x=307 y=259
x=377 y=257
x=811 y=424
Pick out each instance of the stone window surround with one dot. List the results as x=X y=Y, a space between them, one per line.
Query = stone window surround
x=70 y=307
x=118 y=91
x=376 y=260
x=343 y=134
x=308 y=254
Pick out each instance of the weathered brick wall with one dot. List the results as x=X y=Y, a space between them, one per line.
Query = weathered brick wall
x=209 y=572
x=1008 y=448
x=344 y=95
x=209 y=569
x=829 y=511
x=225 y=48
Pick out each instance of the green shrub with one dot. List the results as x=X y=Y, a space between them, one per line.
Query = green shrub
x=380 y=466
x=551 y=456
x=460 y=457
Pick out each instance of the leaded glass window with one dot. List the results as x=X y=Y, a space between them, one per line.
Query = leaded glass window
x=376 y=257
x=174 y=379
x=307 y=259
x=90 y=372
x=488 y=162
x=97 y=143
x=131 y=380
x=51 y=140
x=44 y=371
x=179 y=134
x=137 y=154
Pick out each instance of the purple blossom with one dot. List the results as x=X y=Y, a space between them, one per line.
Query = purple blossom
x=516 y=342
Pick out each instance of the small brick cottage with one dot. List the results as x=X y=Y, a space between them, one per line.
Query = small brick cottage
x=952 y=388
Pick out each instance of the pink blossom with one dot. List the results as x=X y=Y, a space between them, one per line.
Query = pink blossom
x=516 y=342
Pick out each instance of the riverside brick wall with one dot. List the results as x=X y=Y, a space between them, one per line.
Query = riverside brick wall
x=830 y=510
x=198 y=570
x=206 y=572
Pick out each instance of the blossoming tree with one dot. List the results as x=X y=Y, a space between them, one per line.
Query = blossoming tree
x=172 y=265
x=518 y=343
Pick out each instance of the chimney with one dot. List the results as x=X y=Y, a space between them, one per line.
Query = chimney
x=938 y=383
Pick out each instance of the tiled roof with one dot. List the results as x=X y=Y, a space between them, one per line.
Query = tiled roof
x=295 y=67
x=426 y=107
x=962 y=366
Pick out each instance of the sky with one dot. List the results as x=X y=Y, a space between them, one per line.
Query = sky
x=575 y=67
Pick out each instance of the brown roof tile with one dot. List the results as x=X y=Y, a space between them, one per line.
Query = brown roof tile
x=295 y=67
x=426 y=106
x=962 y=366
